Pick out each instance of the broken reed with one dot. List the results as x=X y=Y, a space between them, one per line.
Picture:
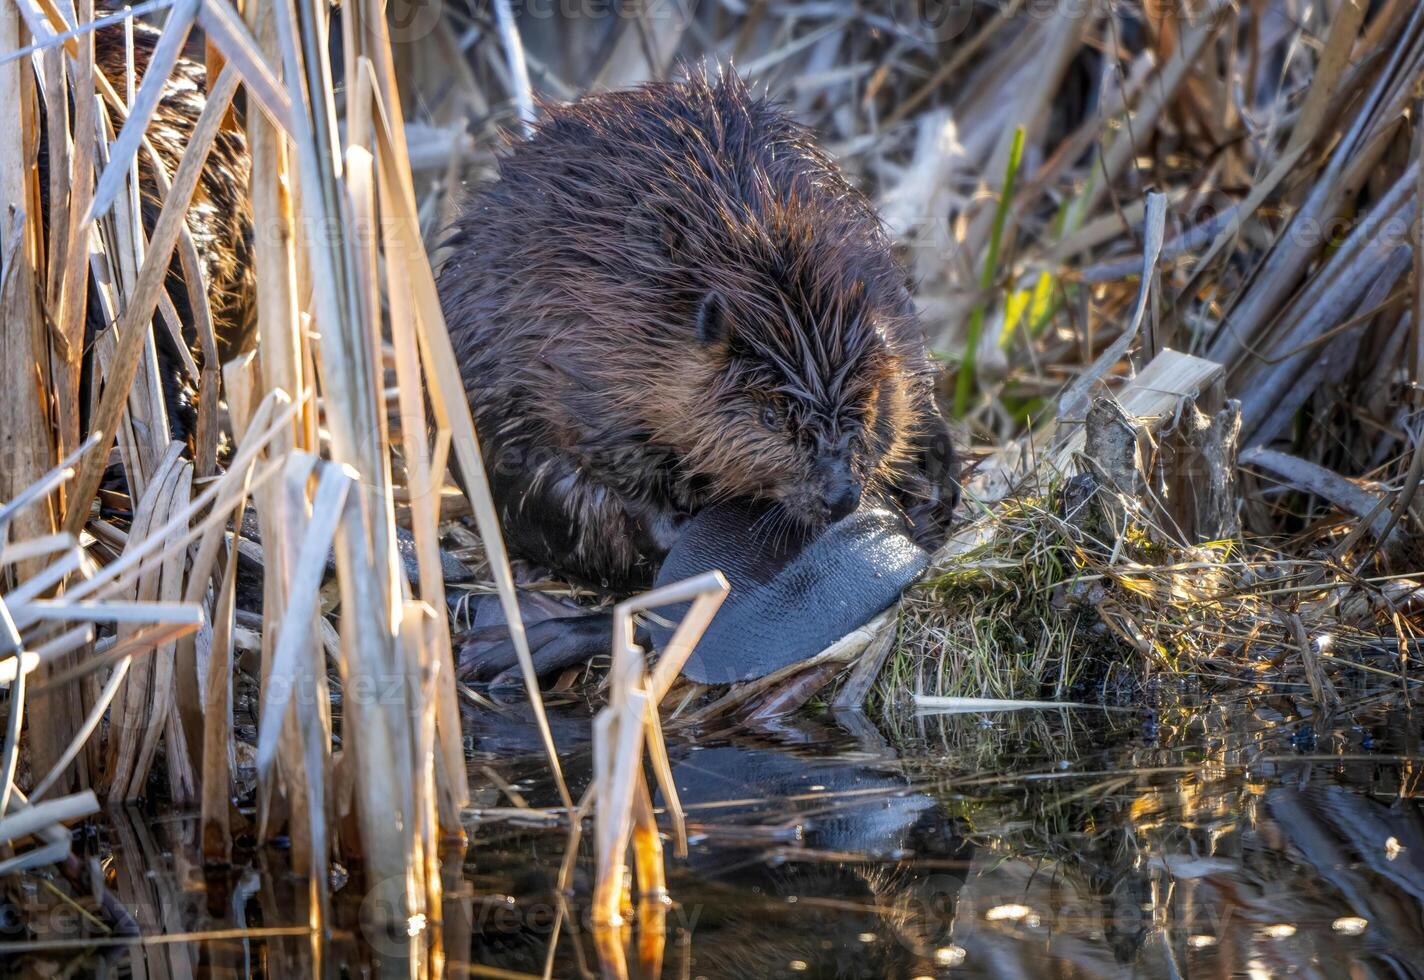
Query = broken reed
x=341 y=269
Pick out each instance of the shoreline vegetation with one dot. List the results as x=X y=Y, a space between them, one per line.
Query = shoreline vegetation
x=1169 y=256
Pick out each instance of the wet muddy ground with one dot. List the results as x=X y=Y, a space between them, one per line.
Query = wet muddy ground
x=1240 y=838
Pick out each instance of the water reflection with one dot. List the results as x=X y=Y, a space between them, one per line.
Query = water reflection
x=1243 y=839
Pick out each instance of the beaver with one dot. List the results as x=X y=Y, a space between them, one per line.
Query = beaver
x=219 y=221
x=669 y=297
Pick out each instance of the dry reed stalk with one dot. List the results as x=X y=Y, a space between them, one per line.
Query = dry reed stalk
x=137 y=723
x=622 y=806
x=143 y=705
x=134 y=329
x=422 y=626
x=295 y=693
x=274 y=259
x=422 y=481
x=367 y=33
x=282 y=347
x=26 y=449
x=454 y=425
x=217 y=733
x=282 y=797
x=44 y=820
x=365 y=564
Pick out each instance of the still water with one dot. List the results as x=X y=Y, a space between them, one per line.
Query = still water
x=1245 y=838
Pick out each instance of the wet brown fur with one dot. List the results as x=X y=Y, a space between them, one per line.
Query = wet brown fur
x=670 y=296
x=219 y=217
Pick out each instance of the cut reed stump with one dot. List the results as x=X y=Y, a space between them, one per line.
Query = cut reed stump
x=1166 y=447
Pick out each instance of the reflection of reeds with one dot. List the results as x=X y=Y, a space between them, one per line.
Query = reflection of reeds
x=1170 y=857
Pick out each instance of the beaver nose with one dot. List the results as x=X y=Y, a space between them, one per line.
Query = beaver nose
x=842 y=500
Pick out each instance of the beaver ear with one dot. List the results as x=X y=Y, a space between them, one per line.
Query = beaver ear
x=712 y=319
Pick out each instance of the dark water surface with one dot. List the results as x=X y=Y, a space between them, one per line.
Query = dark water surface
x=1239 y=839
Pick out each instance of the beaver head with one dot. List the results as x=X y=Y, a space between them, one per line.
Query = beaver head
x=802 y=370
x=796 y=389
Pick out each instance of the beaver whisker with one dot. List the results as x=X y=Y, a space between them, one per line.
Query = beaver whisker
x=765 y=522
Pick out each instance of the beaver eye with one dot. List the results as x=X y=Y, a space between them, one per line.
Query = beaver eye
x=771 y=419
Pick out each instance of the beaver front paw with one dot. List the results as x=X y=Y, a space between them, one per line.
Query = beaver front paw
x=486 y=654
